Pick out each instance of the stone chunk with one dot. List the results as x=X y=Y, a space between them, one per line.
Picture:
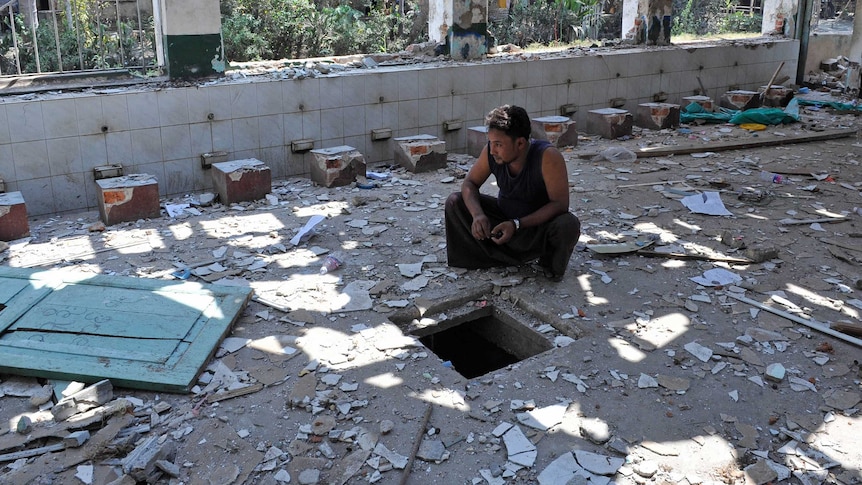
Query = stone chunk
x=740 y=100
x=13 y=217
x=561 y=131
x=337 y=166
x=611 y=123
x=241 y=180
x=775 y=372
x=431 y=450
x=420 y=153
x=657 y=116
x=87 y=398
x=128 y=198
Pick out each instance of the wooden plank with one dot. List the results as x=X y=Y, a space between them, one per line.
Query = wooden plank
x=760 y=141
x=144 y=351
x=114 y=328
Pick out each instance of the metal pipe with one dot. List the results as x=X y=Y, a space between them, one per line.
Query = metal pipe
x=803 y=30
x=53 y=6
x=120 y=35
x=78 y=36
x=15 y=41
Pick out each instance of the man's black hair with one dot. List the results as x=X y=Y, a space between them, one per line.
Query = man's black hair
x=512 y=120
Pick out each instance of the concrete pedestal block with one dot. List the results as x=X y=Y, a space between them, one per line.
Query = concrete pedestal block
x=705 y=102
x=740 y=100
x=337 y=166
x=561 y=131
x=13 y=217
x=657 y=116
x=477 y=139
x=609 y=123
x=778 y=96
x=420 y=153
x=241 y=180
x=128 y=198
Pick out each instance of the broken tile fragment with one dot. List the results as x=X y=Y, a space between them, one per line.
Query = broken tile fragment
x=775 y=372
x=520 y=450
x=699 y=351
x=598 y=464
x=595 y=430
x=543 y=418
x=431 y=450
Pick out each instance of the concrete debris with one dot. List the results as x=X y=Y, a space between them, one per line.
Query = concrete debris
x=334 y=382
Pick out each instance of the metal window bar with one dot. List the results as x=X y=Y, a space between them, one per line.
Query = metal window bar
x=114 y=45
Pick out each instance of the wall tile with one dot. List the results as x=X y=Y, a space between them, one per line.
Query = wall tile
x=408 y=85
x=119 y=149
x=34 y=192
x=311 y=125
x=427 y=112
x=199 y=104
x=68 y=195
x=115 y=113
x=446 y=82
x=269 y=98
x=408 y=115
x=60 y=118
x=246 y=135
x=94 y=152
x=173 y=106
x=4 y=126
x=353 y=90
x=354 y=121
x=292 y=127
x=331 y=92
x=291 y=96
x=89 y=113
x=243 y=100
x=201 y=138
x=27 y=124
x=31 y=159
x=146 y=146
x=64 y=155
x=492 y=100
x=428 y=83
x=176 y=142
x=492 y=78
x=379 y=151
x=375 y=91
x=331 y=123
x=309 y=94
x=271 y=130
x=222 y=133
x=143 y=110
x=471 y=80
x=358 y=142
x=389 y=115
x=180 y=176
x=7 y=165
x=274 y=158
x=220 y=103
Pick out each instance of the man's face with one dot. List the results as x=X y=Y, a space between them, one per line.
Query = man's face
x=504 y=149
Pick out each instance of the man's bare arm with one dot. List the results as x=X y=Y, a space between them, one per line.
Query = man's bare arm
x=476 y=176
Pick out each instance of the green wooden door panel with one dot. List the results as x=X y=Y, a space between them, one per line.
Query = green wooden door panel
x=148 y=334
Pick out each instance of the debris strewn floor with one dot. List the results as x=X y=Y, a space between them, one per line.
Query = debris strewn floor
x=662 y=370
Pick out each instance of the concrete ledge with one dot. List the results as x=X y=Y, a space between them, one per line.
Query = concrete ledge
x=561 y=131
x=611 y=123
x=337 y=166
x=241 y=180
x=128 y=198
x=13 y=217
x=420 y=153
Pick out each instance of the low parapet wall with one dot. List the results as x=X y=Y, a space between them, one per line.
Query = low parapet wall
x=50 y=143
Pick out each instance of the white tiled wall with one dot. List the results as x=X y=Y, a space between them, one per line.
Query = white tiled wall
x=48 y=147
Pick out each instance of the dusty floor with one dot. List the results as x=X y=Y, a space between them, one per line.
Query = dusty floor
x=653 y=378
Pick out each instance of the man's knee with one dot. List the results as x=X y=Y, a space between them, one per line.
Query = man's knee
x=453 y=201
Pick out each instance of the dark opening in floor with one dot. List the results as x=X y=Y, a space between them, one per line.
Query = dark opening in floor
x=486 y=341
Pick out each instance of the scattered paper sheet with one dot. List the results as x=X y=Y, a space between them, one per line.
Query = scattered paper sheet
x=307 y=229
x=706 y=203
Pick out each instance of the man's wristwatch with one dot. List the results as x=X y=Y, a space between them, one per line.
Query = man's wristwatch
x=517 y=223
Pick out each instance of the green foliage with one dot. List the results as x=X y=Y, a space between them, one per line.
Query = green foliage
x=276 y=29
x=545 y=23
x=90 y=37
x=706 y=17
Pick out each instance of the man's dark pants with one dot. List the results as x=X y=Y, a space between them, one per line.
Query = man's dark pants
x=552 y=243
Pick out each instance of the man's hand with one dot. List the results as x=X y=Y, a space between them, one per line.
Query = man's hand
x=481 y=227
x=502 y=232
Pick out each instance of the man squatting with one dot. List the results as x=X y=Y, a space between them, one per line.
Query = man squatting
x=530 y=216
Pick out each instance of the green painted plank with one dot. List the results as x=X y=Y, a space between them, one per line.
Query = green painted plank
x=74 y=318
x=212 y=311
x=10 y=287
x=75 y=345
x=20 y=304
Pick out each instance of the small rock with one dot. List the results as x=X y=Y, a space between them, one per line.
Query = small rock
x=775 y=372
x=431 y=450
x=646 y=382
x=24 y=425
x=596 y=431
x=171 y=469
x=309 y=476
x=761 y=473
x=386 y=426
x=206 y=199
x=646 y=468
x=282 y=476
